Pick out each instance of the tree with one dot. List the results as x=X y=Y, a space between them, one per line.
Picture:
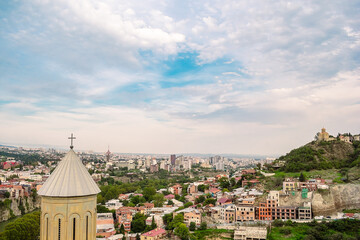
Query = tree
x=137 y=199
x=203 y=187
x=6 y=194
x=138 y=237
x=122 y=229
x=188 y=204
x=239 y=183
x=177 y=220
x=258 y=166
x=203 y=226
x=102 y=209
x=200 y=199
x=232 y=182
x=149 y=192
x=210 y=201
x=138 y=223
x=224 y=183
x=26 y=227
x=302 y=177
x=153 y=224
x=167 y=218
x=192 y=226
x=182 y=231
x=159 y=200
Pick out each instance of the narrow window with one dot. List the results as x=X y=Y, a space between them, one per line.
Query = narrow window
x=47 y=228
x=87 y=227
x=59 y=229
x=74 y=226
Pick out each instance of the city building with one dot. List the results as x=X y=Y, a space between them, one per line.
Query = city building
x=155 y=234
x=245 y=213
x=250 y=233
x=172 y=159
x=176 y=189
x=304 y=212
x=105 y=225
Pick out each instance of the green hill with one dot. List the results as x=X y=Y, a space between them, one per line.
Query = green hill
x=321 y=155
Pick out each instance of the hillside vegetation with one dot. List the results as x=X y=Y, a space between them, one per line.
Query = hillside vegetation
x=322 y=155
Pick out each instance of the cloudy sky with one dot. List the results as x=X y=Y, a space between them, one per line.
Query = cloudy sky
x=250 y=77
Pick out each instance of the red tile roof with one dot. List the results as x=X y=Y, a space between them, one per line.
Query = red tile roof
x=154 y=232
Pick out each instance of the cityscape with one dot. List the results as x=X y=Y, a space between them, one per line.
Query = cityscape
x=180 y=120
x=165 y=197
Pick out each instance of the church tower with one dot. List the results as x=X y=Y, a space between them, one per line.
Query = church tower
x=68 y=202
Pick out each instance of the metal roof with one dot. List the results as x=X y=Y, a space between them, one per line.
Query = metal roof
x=69 y=179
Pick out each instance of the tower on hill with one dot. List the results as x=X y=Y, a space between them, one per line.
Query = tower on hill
x=68 y=202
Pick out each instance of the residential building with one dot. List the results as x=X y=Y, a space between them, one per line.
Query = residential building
x=283 y=213
x=155 y=234
x=245 y=213
x=223 y=202
x=250 y=233
x=105 y=225
x=192 y=216
x=176 y=189
x=304 y=212
x=251 y=183
x=228 y=213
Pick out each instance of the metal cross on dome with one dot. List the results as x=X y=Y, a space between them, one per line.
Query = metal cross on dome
x=72 y=138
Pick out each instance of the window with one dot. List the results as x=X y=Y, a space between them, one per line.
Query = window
x=87 y=227
x=59 y=230
x=47 y=228
x=74 y=228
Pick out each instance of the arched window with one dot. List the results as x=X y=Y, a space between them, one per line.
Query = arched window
x=74 y=228
x=87 y=227
x=59 y=229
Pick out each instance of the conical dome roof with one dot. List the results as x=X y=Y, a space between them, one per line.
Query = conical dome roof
x=69 y=179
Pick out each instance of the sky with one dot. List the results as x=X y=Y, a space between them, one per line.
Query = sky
x=178 y=76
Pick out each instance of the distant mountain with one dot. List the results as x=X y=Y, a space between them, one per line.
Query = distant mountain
x=321 y=155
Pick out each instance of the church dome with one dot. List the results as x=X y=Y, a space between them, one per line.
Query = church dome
x=69 y=179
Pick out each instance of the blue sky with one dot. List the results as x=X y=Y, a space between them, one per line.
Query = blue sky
x=248 y=77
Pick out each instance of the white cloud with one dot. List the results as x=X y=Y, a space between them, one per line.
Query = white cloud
x=299 y=71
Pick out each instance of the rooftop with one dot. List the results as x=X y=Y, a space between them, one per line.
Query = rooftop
x=69 y=179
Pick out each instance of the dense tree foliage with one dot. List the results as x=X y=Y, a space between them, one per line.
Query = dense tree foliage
x=182 y=231
x=138 y=224
x=28 y=158
x=210 y=201
x=339 y=229
x=147 y=187
x=192 y=226
x=322 y=155
x=203 y=226
x=26 y=227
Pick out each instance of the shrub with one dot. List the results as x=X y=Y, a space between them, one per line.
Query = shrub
x=285 y=231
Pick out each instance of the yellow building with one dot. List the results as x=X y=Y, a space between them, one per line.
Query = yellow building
x=68 y=202
x=323 y=136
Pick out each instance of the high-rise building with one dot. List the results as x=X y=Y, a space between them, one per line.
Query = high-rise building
x=172 y=159
x=68 y=202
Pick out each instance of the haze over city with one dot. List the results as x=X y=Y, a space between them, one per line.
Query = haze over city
x=178 y=76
